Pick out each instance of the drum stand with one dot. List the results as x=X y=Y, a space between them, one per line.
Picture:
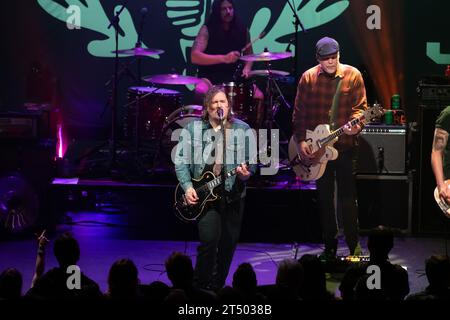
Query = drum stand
x=137 y=159
x=273 y=105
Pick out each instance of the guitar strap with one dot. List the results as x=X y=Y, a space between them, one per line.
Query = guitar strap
x=334 y=105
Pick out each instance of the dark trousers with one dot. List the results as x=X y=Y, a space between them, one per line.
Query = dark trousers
x=218 y=234
x=341 y=171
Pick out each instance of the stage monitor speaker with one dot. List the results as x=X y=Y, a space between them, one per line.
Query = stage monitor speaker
x=385 y=200
x=431 y=219
x=26 y=171
x=382 y=150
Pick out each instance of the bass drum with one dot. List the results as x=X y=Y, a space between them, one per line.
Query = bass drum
x=183 y=112
x=179 y=121
x=155 y=104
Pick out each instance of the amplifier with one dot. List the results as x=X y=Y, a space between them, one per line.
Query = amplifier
x=437 y=93
x=12 y=127
x=382 y=149
x=434 y=89
x=24 y=125
x=385 y=199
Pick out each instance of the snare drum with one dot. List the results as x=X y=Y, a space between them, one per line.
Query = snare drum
x=239 y=96
x=155 y=105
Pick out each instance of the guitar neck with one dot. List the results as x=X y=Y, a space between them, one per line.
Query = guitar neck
x=337 y=133
x=218 y=180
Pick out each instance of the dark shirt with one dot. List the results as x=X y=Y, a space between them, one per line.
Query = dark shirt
x=223 y=42
x=53 y=285
x=394 y=282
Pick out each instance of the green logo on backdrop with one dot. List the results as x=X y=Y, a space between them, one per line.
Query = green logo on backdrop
x=188 y=16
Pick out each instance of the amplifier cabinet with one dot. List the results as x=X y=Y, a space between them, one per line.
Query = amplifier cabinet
x=382 y=150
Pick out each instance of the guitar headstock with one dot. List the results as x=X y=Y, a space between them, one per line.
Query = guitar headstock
x=374 y=112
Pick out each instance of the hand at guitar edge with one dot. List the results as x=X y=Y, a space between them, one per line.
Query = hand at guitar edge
x=191 y=196
x=242 y=172
x=444 y=192
x=352 y=130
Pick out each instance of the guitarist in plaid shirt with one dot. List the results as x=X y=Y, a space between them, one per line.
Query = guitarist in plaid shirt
x=332 y=93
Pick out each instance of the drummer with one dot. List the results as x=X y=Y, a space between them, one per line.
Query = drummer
x=217 y=49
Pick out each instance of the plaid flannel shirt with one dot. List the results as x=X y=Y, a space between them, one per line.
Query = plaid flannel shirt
x=315 y=92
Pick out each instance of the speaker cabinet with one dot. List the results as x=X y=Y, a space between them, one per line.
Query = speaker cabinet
x=431 y=220
x=382 y=150
x=31 y=163
x=385 y=200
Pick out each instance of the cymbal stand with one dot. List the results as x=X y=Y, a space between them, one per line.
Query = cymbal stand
x=296 y=24
x=112 y=165
x=272 y=108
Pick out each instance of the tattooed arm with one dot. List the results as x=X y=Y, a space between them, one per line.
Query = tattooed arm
x=437 y=154
x=199 y=57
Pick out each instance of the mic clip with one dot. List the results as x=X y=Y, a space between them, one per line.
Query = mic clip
x=220 y=113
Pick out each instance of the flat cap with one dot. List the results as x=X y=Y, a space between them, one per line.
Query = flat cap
x=326 y=46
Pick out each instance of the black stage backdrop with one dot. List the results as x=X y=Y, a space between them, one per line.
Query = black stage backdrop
x=42 y=59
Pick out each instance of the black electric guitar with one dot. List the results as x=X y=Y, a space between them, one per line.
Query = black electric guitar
x=445 y=207
x=321 y=142
x=205 y=188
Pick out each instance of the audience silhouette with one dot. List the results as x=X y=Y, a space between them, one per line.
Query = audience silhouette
x=394 y=283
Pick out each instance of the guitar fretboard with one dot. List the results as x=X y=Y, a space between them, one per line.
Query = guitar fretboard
x=338 y=132
x=217 y=181
x=214 y=183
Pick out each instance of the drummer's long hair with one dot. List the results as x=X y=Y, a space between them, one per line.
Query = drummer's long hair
x=208 y=99
x=215 y=22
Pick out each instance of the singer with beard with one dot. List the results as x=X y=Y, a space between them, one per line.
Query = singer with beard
x=217 y=48
x=220 y=226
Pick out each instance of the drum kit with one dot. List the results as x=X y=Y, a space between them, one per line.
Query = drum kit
x=153 y=112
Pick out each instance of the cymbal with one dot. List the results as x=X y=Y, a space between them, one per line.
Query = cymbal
x=171 y=79
x=268 y=72
x=266 y=56
x=140 y=51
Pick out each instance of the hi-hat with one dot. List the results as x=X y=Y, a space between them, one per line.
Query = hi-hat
x=171 y=79
x=267 y=56
x=268 y=72
x=140 y=51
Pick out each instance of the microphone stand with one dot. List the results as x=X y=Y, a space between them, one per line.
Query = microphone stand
x=296 y=24
x=115 y=23
x=138 y=83
x=223 y=171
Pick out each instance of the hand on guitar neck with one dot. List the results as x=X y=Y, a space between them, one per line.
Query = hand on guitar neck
x=309 y=157
x=242 y=173
x=306 y=149
x=352 y=130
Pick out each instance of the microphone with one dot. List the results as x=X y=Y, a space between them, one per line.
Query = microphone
x=288 y=49
x=220 y=113
x=143 y=11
